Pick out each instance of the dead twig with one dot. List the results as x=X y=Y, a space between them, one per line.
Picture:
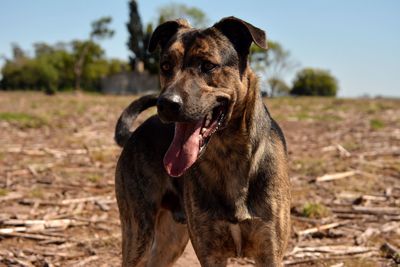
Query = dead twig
x=361 y=239
x=66 y=255
x=392 y=211
x=377 y=210
x=321 y=228
x=342 y=151
x=368 y=255
x=61 y=223
x=331 y=250
x=14 y=233
x=391 y=251
x=85 y=199
x=87 y=260
x=20 y=262
x=335 y=176
x=11 y=196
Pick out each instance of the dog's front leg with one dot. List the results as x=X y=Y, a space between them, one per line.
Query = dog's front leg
x=212 y=240
x=268 y=239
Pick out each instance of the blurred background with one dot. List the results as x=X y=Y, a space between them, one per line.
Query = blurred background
x=55 y=44
x=330 y=78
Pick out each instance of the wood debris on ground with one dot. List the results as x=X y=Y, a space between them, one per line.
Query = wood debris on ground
x=57 y=203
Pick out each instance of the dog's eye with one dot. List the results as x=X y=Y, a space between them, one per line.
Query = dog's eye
x=207 y=66
x=166 y=67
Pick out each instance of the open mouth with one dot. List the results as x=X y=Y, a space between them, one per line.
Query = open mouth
x=191 y=139
x=211 y=123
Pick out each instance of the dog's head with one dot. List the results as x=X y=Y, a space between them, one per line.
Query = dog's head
x=203 y=78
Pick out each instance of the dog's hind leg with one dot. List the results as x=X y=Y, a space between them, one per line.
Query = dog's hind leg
x=137 y=223
x=170 y=241
x=137 y=237
x=135 y=245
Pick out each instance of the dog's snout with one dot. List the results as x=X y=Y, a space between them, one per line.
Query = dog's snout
x=169 y=106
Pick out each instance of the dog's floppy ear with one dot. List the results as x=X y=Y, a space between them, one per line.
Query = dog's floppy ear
x=241 y=33
x=163 y=33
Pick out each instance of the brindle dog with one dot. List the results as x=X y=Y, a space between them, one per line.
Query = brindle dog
x=212 y=131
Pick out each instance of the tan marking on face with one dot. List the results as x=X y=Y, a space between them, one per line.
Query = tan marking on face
x=205 y=48
x=177 y=48
x=173 y=55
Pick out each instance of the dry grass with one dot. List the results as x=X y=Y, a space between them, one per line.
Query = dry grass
x=61 y=147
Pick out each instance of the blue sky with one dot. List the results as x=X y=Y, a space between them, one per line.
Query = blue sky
x=357 y=40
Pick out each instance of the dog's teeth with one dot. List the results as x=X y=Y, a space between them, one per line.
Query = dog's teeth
x=201 y=141
x=208 y=120
x=203 y=130
x=220 y=120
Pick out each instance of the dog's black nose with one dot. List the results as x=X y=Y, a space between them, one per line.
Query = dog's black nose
x=169 y=106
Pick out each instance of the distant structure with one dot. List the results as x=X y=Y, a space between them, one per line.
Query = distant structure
x=130 y=82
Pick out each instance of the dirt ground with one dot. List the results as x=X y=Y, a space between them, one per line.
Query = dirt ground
x=57 y=162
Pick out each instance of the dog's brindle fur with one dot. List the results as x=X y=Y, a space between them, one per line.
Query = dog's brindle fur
x=235 y=198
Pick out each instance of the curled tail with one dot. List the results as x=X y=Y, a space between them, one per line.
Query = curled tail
x=122 y=129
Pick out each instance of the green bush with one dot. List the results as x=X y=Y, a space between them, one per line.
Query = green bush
x=52 y=68
x=315 y=210
x=314 y=82
x=278 y=87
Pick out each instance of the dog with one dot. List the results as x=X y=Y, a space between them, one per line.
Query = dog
x=212 y=164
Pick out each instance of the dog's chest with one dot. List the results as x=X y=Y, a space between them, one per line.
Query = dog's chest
x=226 y=158
x=219 y=184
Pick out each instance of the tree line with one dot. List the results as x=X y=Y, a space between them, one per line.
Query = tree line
x=271 y=65
x=81 y=64
x=74 y=65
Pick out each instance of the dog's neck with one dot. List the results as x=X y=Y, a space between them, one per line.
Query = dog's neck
x=256 y=120
x=233 y=154
x=250 y=122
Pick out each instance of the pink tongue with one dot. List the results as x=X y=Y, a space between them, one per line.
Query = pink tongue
x=184 y=149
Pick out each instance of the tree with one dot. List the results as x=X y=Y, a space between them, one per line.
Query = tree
x=89 y=53
x=99 y=31
x=62 y=58
x=314 y=82
x=52 y=67
x=172 y=11
x=30 y=74
x=138 y=41
x=18 y=53
x=139 y=37
x=136 y=38
x=42 y=49
x=151 y=60
x=278 y=87
x=272 y=63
